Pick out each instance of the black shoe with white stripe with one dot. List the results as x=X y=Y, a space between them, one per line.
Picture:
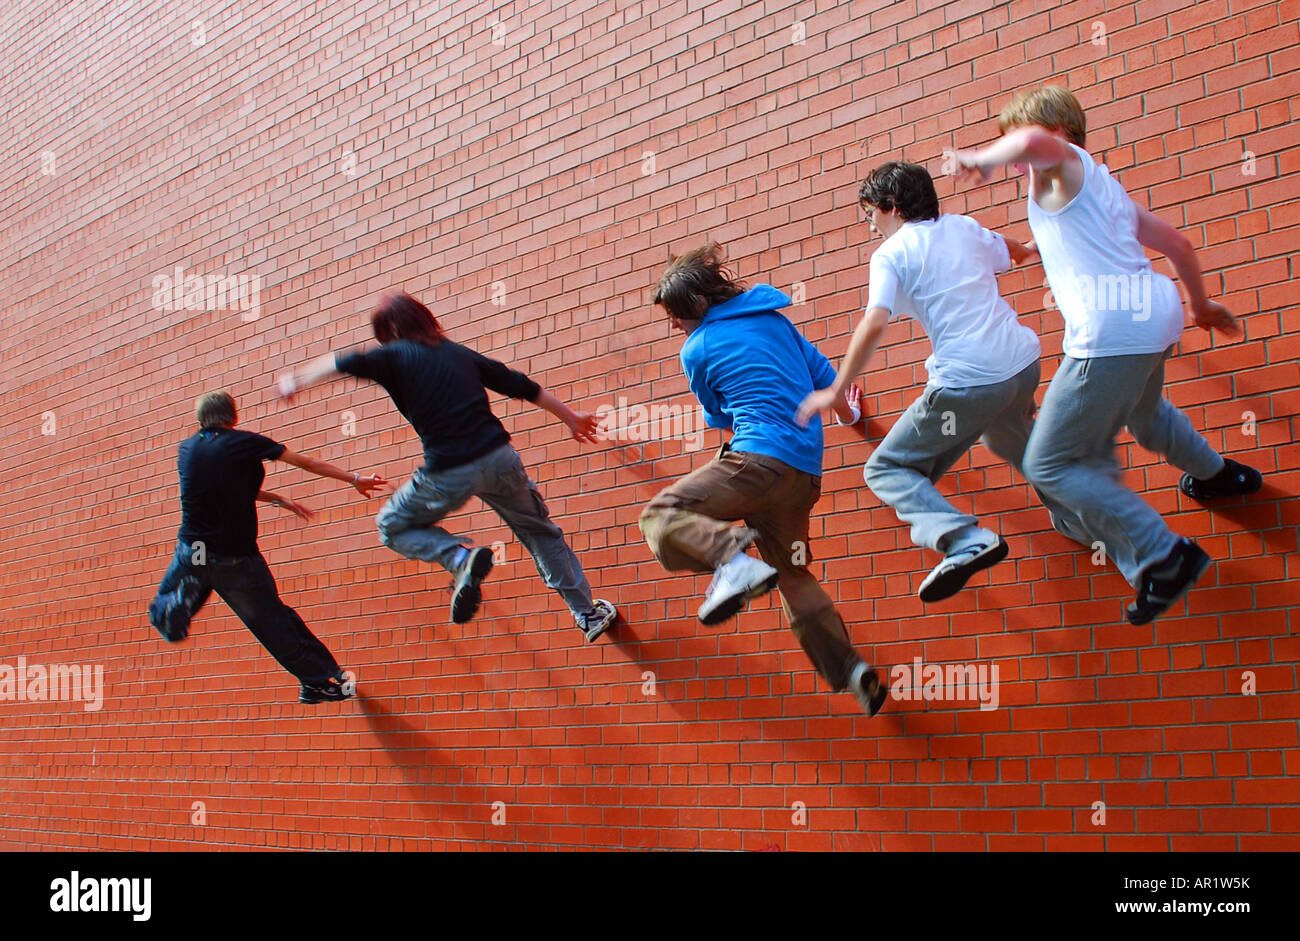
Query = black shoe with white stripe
x=335 y=689
x=1166 y=582
x=467 y=594
x=951 y=575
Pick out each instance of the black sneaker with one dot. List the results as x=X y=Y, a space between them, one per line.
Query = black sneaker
x=866 y=686
x=1165 y=582
x=597 y=621
x=181 y=609
x=466 y=596
x=1235 y=480
x=336 y=689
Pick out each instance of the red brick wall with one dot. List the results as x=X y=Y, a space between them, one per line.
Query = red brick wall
x=335 y=149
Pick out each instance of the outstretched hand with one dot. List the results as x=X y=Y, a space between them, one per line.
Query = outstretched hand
x=367 y=485
x=1214 y=316
x=813 y=403
x=297 y=509
x=969 y=170
x=583 y=426
x=286 y=385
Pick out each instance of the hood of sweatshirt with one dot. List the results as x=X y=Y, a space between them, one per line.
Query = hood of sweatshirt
x=758 y=299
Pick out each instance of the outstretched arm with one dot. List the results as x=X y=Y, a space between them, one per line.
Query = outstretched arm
x=365 y=485
x=315 y=371
x=1033 y=146
x=276 y=499
x=866 y=337
x=1155 y=233
x=1019 y=251
x=582 y=425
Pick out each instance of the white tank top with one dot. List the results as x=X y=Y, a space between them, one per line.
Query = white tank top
x=1112 y=302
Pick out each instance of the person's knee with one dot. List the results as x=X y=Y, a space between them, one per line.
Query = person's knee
x=1040 y=468
x=388 y=527
x=651 y=524
x=876 y=469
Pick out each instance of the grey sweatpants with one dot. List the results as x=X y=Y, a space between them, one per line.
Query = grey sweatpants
x=933 y=434
x=1071 y=454
x=408 y=521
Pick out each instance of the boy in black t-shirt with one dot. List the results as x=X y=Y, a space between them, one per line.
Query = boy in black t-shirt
x=221 y=477
x=440 y=387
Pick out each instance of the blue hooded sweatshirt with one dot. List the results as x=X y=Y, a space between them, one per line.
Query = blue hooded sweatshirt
x=751 y=368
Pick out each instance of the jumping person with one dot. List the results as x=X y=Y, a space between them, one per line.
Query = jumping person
x=221 y=478
x=440 y=387
x=983 y=371
x=1122 y=321
x=750 y=367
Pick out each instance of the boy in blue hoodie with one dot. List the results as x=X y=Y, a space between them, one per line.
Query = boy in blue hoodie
x=751 y=368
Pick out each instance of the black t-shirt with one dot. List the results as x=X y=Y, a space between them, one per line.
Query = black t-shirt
x=221 y=473
x=440 y=390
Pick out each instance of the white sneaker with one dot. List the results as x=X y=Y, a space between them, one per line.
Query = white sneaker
x=983 y=549
x=734 y=583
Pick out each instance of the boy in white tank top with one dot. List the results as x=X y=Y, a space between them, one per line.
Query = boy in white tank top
x=1122 y=320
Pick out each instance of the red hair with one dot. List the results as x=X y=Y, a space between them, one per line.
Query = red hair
x=399 y=316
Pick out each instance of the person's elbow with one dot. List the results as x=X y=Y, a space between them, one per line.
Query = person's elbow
x=717 y=420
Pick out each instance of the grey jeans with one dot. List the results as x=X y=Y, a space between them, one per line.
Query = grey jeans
x=933 y=434
x=408 y=522
x=1071 y=454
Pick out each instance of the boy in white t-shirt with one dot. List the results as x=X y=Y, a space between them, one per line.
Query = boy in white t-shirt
x=1121 y=322
x=942 y=270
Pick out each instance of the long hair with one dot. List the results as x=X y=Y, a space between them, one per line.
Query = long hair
x=694 y=282
x=399 y=316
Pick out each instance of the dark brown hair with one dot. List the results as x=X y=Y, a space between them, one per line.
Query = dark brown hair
x=906 y=187
x=399 y=316
x=214 y=408
x=694 y=282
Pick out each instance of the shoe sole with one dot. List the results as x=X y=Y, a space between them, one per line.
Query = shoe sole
x=955 y=579
x=1138 y=618
x=728 y=609
x=316 y=700
x=465 y=602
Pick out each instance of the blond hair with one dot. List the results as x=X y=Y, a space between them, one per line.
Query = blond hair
x=1051 y=107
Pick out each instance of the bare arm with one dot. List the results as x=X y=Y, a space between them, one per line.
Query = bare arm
x=1019 y=251
x=1155 y=233
x=276 y=499
x=582 y=425
x=364 y=485
x=866 y=337
x=316 y=371
x=1032 y=146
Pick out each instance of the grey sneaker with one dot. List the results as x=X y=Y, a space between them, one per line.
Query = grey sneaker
x=951 y=575
x=734 y=584
x=598 y=620
x=865 y=684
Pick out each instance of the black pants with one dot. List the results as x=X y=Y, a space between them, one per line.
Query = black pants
x=245 y=583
